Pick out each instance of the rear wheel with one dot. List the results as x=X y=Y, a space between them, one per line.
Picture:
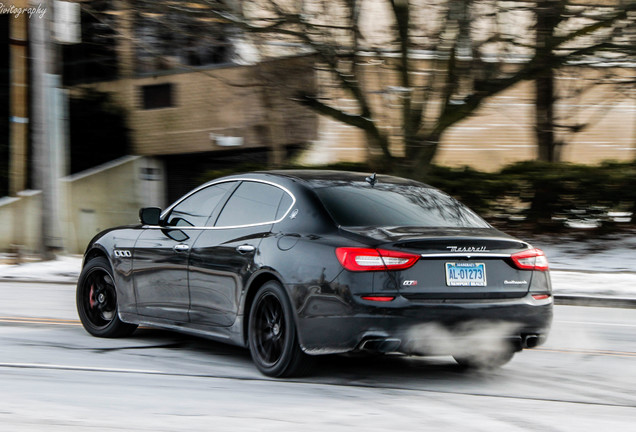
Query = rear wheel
x=97 y=301
x=272 y=337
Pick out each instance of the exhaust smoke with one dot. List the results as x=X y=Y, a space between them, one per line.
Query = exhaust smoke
x=474 y=343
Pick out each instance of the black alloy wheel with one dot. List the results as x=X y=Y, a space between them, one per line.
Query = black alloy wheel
x=272 y=334
x=97 y=301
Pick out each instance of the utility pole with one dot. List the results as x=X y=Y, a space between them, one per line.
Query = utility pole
x=44 y=128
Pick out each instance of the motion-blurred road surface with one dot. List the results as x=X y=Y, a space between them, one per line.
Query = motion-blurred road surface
x=55 y=377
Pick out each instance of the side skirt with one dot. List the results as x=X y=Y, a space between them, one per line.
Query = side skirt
x=230 y=335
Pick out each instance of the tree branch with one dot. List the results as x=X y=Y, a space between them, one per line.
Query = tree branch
x=364 y=123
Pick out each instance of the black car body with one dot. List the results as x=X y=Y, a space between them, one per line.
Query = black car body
x=297 y=263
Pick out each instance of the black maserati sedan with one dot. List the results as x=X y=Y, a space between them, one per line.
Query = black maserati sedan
x=294 y=264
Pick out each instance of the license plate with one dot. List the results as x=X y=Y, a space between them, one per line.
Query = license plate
x=465 y=274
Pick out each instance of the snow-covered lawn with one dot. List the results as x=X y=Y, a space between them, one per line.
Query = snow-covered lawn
x=613 y=254
x=614 y=285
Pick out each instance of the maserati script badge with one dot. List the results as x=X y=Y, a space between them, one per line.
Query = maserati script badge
x=467 y=249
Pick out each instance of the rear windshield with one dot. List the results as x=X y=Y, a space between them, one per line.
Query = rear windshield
x=396 y=205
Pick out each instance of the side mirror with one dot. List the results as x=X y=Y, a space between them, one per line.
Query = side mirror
x=150 y=215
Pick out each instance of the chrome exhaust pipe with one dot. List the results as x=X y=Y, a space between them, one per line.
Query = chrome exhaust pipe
x=530 y=341
x=381 y=345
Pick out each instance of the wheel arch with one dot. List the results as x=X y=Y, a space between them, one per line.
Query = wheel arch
x=254 y=285
x=99 y=251
x=94 y=253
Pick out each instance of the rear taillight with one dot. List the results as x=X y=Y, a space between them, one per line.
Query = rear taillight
x=363 y=259
x=532 y=259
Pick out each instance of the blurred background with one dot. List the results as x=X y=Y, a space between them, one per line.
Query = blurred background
x=524 y=110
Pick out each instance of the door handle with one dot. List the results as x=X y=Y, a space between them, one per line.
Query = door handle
x=243 y=249
x=181 y=247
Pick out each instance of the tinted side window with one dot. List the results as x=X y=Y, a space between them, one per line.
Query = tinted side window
x=396 y=205
x=251 y=203
x=197 y=208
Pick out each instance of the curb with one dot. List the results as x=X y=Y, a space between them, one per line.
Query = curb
x=587 y=271
x=596 y=301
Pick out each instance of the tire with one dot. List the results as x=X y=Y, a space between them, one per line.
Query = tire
x=485 y=361
x=96 y=300
x=272 y=336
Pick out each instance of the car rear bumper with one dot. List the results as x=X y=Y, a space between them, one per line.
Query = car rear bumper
x=329 y=325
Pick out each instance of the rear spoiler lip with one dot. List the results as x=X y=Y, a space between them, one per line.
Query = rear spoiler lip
x=465 y=255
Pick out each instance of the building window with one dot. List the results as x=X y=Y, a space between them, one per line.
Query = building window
x=157 y=96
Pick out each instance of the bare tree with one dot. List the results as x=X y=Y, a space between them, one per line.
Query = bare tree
x=438 y=59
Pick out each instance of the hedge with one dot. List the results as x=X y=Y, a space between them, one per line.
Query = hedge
x=544 y=195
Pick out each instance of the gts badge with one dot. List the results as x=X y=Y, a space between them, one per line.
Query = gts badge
x=123 y=253
x=409 y=283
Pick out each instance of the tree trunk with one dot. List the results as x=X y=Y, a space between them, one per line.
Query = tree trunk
x=548 y=16
x=377 y=157
x=418 y=166
x=275 y=125
x=544 y=116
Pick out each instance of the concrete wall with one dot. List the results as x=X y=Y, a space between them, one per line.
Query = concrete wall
x=103 y=197
x=20 y=221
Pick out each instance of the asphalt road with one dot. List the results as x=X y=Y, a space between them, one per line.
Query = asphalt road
x=55 y=377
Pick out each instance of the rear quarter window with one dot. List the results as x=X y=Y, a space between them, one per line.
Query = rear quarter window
x=253 y=203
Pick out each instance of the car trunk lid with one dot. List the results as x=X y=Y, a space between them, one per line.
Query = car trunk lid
x=461 y=263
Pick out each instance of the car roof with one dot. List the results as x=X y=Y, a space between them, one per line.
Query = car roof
x=321 y=178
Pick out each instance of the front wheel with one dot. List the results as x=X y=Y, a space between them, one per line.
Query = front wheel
x=97 y=301
x=272 y=337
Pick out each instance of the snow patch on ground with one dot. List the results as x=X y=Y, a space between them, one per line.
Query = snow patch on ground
x=613 y=254
x=613 y=285
x=62 y=269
